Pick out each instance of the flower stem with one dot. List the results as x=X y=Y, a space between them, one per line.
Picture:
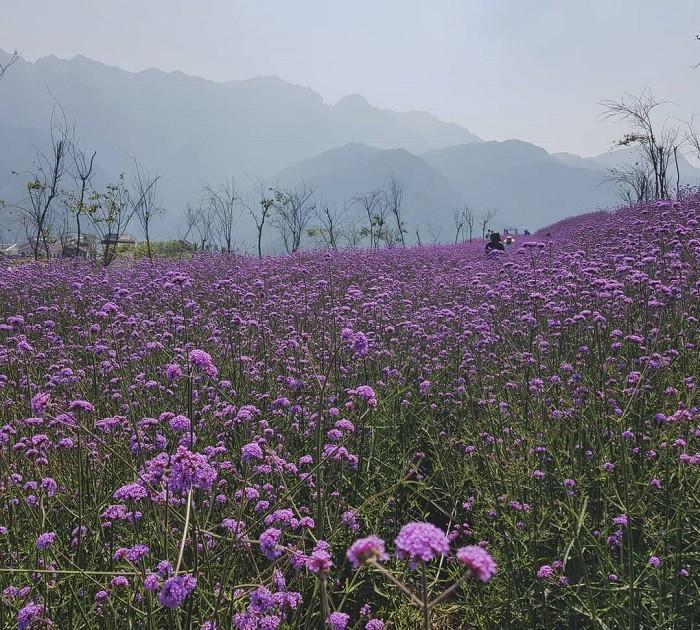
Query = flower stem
x=424 y=593
x=184 y=532
x=445 y=594
x=324 y=601
x=404 y=589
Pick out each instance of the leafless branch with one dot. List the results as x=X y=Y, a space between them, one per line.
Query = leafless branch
x=6 y=66
x=658 y=143
x=293 y=210
x=146 y=190
x=44 y=186
x=223 y=203
x=259 y=207
x=484 y=219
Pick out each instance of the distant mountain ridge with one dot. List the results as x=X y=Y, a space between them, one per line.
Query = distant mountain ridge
x=191 y=130
x=194 y=131
x=616 y=157
x=259 y=125
x=339 y=174
x=527 y=185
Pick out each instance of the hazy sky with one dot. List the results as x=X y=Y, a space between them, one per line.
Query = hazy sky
x=529 y=69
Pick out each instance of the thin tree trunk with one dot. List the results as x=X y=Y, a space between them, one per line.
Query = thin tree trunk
x=77 y=246
x=678 y=173
x=148 y=245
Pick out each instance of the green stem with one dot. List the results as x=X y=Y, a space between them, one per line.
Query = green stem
x=324 y=601
x=184 y=532
x=424 y=593
x=394 y=580
x=445 y=594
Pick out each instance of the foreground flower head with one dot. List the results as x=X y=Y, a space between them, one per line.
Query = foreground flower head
x=479 y=562
x=338 y=620
x=269 y=543
x=363 y=549
x=30 y=616
x=251 y=451
x=176 y=590
x=421 y=542
x=204 y=362
x=45 y=540
x=319 y=561
x=191 y=470
x=545 y=571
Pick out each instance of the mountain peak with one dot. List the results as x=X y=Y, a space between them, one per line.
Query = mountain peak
x=48 y=59
x=353 y=101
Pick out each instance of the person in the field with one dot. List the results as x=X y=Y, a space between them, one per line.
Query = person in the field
x=494 y=243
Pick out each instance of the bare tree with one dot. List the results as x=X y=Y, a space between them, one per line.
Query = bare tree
x=146 y=208
x=63 y=232
x=390 y=236
x=393 y=197
x=223 y=203
x=293 y=210
x=458 y=219
x=635 y=182
x=372 y=205
x=656 y=142
x=678 y=171
x=112 y=212
x=329 y=226
x=468 y=220
x=484 y=219
x=44 y=187
x=352 y=235
x=200 y=220
x=184 y=232
x=434 y=233
x=6 y=66
x=76 y=201
x=692 y=138
x=418 y=239
x=187 y=225
x=260 y=209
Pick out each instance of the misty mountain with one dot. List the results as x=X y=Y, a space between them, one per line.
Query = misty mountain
x=339 y=174
x=525 y=184
x=625 y=157
x=192 y=130
x=528 y=186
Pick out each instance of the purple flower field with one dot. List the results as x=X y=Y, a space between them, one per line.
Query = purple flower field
x=404 y=438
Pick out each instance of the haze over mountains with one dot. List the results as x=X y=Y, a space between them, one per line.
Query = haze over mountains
x=193 y=131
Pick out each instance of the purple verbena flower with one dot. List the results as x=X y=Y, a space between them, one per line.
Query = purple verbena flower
x=45 y=540
x=421 y=542
x=479 y=562
x=176 y=590
x=363 y=549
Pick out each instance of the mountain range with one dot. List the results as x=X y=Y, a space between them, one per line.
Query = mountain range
x=194 y=131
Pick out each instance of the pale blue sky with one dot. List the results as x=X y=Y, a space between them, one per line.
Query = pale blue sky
x=534 y=70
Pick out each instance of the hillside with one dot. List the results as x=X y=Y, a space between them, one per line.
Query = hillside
x=526 y=184
x=339 y=174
